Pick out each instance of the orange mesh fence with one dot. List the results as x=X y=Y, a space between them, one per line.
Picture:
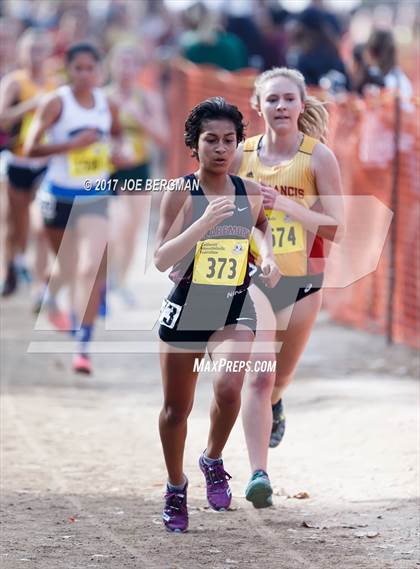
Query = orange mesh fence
x=362 y=135
x=364 y=143
x=191 y=84
x=407 y=264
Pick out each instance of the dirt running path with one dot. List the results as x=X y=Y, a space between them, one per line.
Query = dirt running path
x=83 y=470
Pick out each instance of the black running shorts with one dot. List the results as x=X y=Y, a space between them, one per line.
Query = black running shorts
x=289 y=289
x=191 y=315
x=56 y=213
x=24 y=179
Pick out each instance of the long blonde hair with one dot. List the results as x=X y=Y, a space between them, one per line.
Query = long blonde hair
x=314 y=119
x=124 y=48
x=28 y=38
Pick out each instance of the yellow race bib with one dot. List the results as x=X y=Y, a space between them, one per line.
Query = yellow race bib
x=90 y=161
x=288 y=235
x=221 y=262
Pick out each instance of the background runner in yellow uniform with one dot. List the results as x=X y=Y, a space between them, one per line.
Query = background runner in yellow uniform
x=143 y=124
x=298 y=173
x=20 y=94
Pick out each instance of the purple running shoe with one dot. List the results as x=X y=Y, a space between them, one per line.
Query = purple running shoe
x=175 y=513
x=219 y=494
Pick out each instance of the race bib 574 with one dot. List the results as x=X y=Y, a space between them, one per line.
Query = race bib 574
x=288 y=235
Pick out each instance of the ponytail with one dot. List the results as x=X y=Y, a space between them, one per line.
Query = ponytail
x=314 y=119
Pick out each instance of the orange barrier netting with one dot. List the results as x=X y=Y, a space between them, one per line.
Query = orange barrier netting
x=363 y=140
x=191 y=84
x=362 y=135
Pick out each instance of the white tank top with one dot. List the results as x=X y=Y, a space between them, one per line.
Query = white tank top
x=91 y=163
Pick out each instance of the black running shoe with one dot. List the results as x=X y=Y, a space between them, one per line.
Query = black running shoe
x=279 y=425
x=11 y=281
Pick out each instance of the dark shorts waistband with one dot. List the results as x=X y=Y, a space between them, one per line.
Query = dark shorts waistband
x=289 y=289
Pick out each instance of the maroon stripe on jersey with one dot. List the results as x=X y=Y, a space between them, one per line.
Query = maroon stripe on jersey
x=317 y=250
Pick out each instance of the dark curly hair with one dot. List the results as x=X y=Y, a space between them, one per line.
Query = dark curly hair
x=82 y=47
x=212 y=109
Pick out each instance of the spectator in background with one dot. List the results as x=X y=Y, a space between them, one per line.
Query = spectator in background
x=329 y=17
x=244 y=26
x=9 y=32
x=260 y=27
x=381 y=56
x=120 y=24
x=205 y=42
x=158 y=26
x=276 y=36
x=43 y=14
x=360 y=72
x=73 y=26
x=316 y=48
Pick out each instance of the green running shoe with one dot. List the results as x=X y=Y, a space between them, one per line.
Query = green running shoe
x=279 y=425
x=259 y=490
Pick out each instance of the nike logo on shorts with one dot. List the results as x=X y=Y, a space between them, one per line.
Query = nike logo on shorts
x=242 y=208
x=252 y=269
x=307 y=287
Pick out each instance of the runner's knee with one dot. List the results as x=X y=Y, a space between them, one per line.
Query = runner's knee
x=262 y=382
x=65 y=268
x=227 y=391
x=89 y=272
x=174 y=416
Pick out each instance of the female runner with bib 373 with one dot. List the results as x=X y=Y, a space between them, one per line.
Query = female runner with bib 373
x=204 y=235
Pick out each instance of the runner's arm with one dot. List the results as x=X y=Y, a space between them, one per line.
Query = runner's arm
x=262 y=229
x=328 y=224
x=116 y=130
x=118 y=158
x=10 y=113
x=263 y=235
x=172 y=244
x=46 y=115
x=153 y=120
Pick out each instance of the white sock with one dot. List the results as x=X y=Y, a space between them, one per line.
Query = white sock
x=177 y=487
x=210 y=461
